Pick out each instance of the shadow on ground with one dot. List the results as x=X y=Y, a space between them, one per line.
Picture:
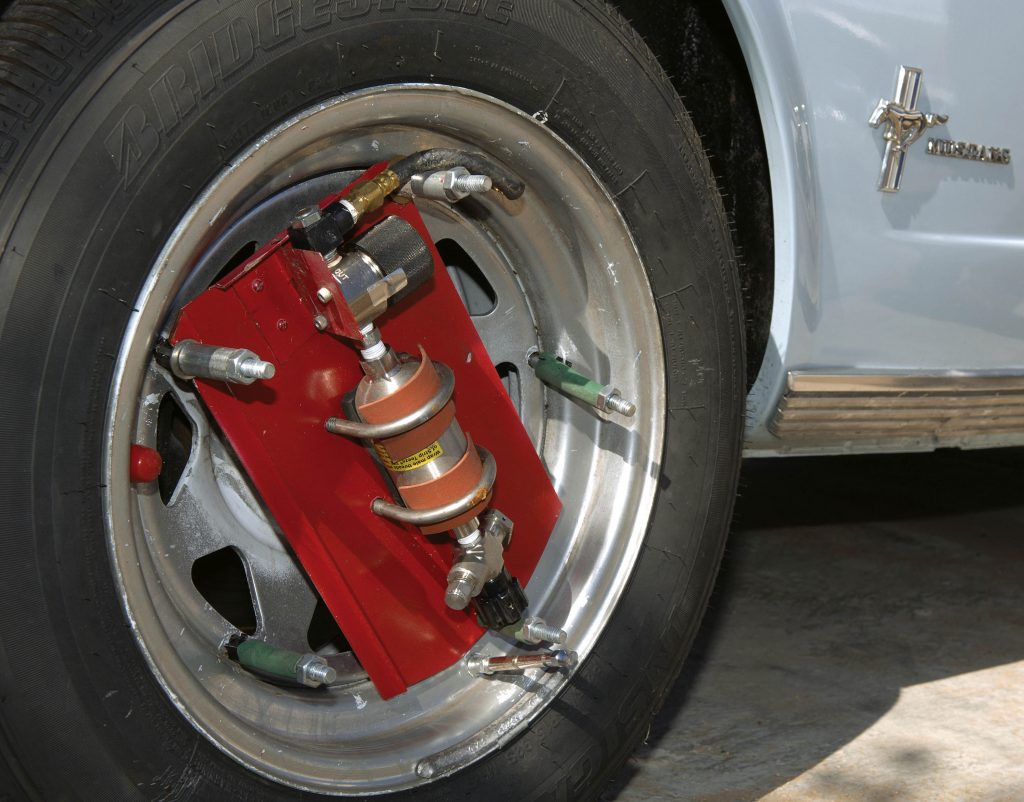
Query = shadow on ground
x=846 y=580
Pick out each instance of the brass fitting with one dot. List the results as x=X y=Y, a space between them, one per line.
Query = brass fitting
x=369 y=195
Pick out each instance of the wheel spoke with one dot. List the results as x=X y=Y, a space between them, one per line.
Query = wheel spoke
x=283 y=597
x=199 y=526
x=507 y=330
x=503 y=334
x=213 y=507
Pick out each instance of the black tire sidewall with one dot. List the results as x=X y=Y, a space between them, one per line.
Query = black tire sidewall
x=98 y=195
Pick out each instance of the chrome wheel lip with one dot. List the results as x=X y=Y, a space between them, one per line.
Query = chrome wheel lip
x=555 y=584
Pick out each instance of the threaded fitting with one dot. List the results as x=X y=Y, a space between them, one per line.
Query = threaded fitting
x=537 y=630
x=459 y=592
x=256 y=369
x=473 y=183
x=617 y=403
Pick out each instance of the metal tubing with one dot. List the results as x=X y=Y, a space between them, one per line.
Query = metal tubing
x=381 y=431
x=560 y=659
x=436 y=515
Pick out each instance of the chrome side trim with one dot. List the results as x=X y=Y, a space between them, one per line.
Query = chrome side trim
x=836 y=406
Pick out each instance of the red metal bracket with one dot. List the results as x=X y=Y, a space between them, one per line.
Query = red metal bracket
x=383 y=582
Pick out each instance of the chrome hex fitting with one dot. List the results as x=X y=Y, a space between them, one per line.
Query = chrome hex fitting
x=449 y=185
x=313 y=671
x=193 y=360
x=536 y=630
x=609 y=399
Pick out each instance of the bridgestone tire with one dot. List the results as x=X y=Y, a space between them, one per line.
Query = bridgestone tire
x=112 y=119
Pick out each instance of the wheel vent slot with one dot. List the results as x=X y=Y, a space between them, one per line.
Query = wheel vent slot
x=509 y=375
x=477 y=293
x=240 y=256
x=220 y=579
x=324 y=635
x=174 y=442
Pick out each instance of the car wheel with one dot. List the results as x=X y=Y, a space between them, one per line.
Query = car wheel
x=147 y=148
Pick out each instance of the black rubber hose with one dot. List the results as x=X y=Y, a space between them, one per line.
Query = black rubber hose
x=445 y=158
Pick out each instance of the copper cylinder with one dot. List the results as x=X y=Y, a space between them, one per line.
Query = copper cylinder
x=433 y=463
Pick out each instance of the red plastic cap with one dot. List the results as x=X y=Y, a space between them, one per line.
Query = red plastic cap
x=146 y=464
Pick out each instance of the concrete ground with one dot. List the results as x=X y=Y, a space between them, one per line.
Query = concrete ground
x=865 y=641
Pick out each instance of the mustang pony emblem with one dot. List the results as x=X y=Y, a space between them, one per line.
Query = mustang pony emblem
x=904 y=127
x=905 y=124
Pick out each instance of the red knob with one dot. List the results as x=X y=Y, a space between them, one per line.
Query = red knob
x=145 y=464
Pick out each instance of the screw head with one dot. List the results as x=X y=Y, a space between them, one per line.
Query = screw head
x=257 y=285
x=306 y=216
x=282 y=324
x=320 y=322
x=324 y=295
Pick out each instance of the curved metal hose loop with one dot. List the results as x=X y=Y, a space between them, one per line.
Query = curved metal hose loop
x=445 y=158
x=436 y=515
x=381 y=431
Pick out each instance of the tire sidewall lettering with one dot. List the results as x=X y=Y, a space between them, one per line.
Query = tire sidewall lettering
x=184 y=88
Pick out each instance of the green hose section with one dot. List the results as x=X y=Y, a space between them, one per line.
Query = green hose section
x=261 y=656
x=557 y=374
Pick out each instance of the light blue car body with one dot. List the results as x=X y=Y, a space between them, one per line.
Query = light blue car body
x=928 y=280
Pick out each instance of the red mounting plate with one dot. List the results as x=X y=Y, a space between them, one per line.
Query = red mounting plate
x=383 y=582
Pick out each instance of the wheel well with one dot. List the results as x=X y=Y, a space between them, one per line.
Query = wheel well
x=696 y=45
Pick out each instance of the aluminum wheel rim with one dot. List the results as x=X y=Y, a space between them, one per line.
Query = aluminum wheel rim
x=568 y=279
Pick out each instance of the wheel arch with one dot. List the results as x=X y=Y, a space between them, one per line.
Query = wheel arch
x=697 y=45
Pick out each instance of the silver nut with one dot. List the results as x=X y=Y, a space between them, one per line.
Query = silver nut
x=611 y=400
x=536 y=630
x=307 y=216
x=448 y=185
x=313 y=671
x=324 y=295
x=602 y=397
x=496 y=523
x=320 y=322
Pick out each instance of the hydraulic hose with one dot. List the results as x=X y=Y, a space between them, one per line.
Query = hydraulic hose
x=445 y=158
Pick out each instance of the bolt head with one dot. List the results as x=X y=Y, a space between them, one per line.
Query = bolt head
x=320 y=322
x=307 y=216
x=324 y=295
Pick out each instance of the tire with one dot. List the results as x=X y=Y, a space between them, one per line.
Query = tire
x=114 y=119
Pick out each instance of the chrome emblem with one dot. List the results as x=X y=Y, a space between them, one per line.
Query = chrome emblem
x=969 y=150
x=904 y=125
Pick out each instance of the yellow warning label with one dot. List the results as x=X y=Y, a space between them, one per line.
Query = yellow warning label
x=417 y=460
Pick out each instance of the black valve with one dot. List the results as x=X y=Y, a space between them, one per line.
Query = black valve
x=501 y=602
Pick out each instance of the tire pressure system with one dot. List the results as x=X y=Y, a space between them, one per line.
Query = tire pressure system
x=331 y=360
